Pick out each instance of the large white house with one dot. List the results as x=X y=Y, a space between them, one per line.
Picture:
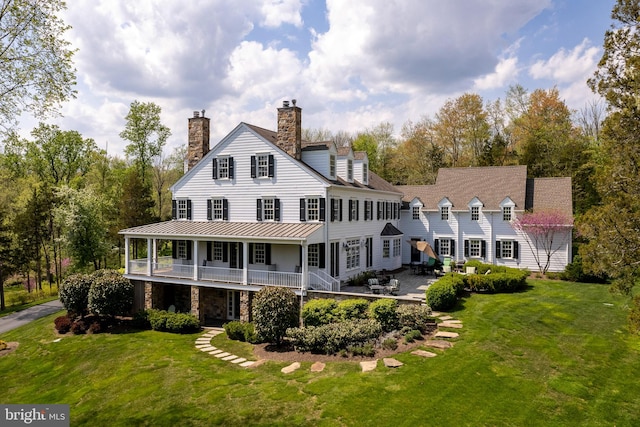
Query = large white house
x=265 y=208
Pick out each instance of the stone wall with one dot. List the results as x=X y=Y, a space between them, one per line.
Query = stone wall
x=344 y=296
x=246 y=300
x=213 y=304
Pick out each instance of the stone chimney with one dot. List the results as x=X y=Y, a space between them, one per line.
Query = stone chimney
x=290 y=129
x=198 y=139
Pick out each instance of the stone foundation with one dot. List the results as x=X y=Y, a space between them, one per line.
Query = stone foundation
x=246 y=300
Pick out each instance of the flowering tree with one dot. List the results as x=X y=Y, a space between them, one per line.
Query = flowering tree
x=545 y=232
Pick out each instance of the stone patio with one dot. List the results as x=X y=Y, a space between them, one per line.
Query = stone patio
x=412 y=286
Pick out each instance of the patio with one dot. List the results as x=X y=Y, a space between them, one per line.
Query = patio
x=412 y=286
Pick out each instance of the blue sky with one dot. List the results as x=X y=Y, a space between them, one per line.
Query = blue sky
x=350 y=64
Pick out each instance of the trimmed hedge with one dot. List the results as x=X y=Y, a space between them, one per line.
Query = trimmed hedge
x=500 y=278
x=319 y=312
x=241 y=331
x=74 y=292
x=351 y=309
x=180 y=323
x=443 y=294
x=415 y=317
x=385 y=311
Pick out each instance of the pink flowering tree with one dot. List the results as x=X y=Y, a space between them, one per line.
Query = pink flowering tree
x=545 y=232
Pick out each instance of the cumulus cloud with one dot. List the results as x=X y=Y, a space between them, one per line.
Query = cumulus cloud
x=278 y=12
x=567 y=66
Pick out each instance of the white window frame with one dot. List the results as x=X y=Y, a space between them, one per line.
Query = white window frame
x=262 y=165
x=354 y=209
x=181 y=209
x=368 y=210
x=223 y=167
x=313 y=255
x=313 y=208
x=506 y=249
x=269 y=209
x=349 y=170
x=217 y=209
x=386 y=248
x=475 y=248
x=396 y=247
x=365 y=173
x=507 y=213
x=444 y=213
x=444 y=247
x=415 y=212
x=475 y=213
x=181 y=251
x=332 y=165
x=353 y=254
x=217 y=251
x=259 y=253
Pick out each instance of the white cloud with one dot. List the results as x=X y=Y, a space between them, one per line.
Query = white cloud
x=506 y=71
x=278 y=12
x=567 y=66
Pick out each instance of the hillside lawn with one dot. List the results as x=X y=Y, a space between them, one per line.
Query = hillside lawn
x=556 y=354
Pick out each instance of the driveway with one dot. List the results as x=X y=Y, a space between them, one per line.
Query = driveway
x=19 y=318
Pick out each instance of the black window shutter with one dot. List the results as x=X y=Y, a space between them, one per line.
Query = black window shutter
x=516 y=247
x=271 y=167
x=188 y=209
x=322 y=208
x=174 y=208
x=189 y=249
x=379 y=209
x=466 y=248
x=209 y=213
x=253 y=166
x=357 y=210
x=453 y=248
x=267 y=253
x=215 y=168
x=498 y=252
x=333 y=210
x=225 y=209
x=321 y=255
x=340 y=216
x=483 y=248
x=174 y=249
x=303 y=212
x=258 y=209
x=209 y=251
x=350 y=210
x=250 y=253
x=436 y=244
x=225 y=251
x=276 y=208
x=230 y=167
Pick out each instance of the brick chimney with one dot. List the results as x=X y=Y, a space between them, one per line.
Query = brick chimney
x=290 y=129
x=198 y=139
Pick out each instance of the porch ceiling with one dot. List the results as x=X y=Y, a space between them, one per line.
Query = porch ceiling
x=227 y=230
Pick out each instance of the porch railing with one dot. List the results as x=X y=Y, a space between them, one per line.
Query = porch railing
x=138 y=266
x=172 y=270
x=275 y=278
x=220 y=274
x=331 y=282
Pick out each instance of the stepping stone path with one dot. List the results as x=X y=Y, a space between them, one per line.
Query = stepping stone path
x=445 y=334
x=369 y=365
x=423 y=353
x=392 y=363
x=445 y=317
x=441 y=344
x=204 y=344
x=288 y=369
x=317 y=367
x=455 y=324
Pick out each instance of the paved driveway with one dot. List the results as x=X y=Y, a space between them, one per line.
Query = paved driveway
x=19 y=318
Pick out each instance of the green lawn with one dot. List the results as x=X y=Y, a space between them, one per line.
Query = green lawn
x=556 y=354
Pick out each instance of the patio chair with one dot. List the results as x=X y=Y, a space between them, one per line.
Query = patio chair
x=394 y=286
x=429 y=266
x=372 y=282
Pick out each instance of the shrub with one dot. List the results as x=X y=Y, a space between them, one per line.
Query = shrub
x=366 y=350
x=415 y=317
x=182 y=323
x=319 y=312
x=443 y=294
x=574 y=272
x=333 y=337
x=412 y=335
x=141 y=320
x=74 y=293
x=79 y=327
x=385 y=312
x=110 y=294
x=351 y=309
x=161 y=320
x=62 y=324
x=235 y=330
x=390 y=344
x=274 y=311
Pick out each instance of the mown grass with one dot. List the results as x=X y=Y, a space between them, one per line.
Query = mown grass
x=17 y=298
x=555 y=354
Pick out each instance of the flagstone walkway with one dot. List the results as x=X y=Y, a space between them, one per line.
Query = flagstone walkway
x=204 y=344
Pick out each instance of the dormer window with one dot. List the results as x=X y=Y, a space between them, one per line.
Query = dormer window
x=475 y=213
x=415 y=212
x=444 y=213
x=349 y=170
x=365 y=173
x=507 y=213
x=332 y=166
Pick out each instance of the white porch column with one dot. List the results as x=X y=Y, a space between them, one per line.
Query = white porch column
x=195 y=260
x=305 y=267
x=245 y=263
x=126 y=255
x=155 y=251
x=149 y=257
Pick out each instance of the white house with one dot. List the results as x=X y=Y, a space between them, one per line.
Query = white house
x=263 y=208
x=468 y=213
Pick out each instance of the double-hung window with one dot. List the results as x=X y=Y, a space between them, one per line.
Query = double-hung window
x=507 y=249
x=475 y=213
x=445 y=247
x=507 y=213
x=385 y=248
x=415 y=212
x=259 y=253
x=365 y=173
x=181 y=209
x=216 y=209
x=474 y=248
x=313 y=255
x=312 y=209
x=217 y=251
x=396 y=247
x=444 y=213
x=368 y=210
x=268 y=209
x=262 y=166
x=182 y=249
x=332 y=166
x=349 y=170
